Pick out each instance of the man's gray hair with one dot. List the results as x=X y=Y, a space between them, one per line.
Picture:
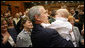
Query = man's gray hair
x=34 y=11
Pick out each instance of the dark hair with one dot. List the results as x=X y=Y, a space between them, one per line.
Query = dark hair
x=76 y=12
x=23 y=21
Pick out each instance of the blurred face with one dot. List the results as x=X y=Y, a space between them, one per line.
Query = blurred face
x=1 y=15
x=44 y=15
x=10 y=20
x=20 y=13
x=72 y=11
x=4 y=26
x=72 y=21
x=81 y=13
x=28 y=24
x=17 y=15
x=6 y=15
x=24 y=13
x=9 y=14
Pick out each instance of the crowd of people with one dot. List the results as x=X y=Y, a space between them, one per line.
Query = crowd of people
x=36 y=28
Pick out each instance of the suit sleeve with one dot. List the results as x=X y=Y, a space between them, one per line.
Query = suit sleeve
x=57 y=40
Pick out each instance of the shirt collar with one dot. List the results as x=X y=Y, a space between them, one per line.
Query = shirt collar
x=25 y=31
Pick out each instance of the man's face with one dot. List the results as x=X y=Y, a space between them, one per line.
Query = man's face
x=72 y=11
x=17 y=15
x=72 y=21
x=44 y=15
x=20 y=13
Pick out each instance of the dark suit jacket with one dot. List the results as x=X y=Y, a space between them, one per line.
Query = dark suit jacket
x=42 y=37
x=13 y=33
x=7 y=44
x=17 y=26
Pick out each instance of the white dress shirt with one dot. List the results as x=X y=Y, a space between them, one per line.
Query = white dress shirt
x=16 y=20
x=11 y=41
x=61 y=25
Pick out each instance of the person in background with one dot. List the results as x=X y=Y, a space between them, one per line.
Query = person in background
x=20 y=13
x=52 y=16
x=16 y=19
x=72 y=11
x=76 y=14
x=5 y=15
x=6 y=39
x=25 y=13
x=2 y=15
x=44 y=37
x=76 y=36
x=17 y=22
x=23 y=38
x=79 y=24
x=11 y=29
x=82 y=32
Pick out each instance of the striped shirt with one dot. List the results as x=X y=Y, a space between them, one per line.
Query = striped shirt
x=23 y=39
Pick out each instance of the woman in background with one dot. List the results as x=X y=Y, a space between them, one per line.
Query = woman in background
x=11 y=29
x=75 y=34
x=6 y=39
x=23 y=38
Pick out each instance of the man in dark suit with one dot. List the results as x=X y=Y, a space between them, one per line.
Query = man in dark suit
x=44 y=37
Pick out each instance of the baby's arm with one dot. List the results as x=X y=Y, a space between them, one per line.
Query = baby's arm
x=45 y=25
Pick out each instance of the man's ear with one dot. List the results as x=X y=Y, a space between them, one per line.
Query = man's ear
x=36 y=17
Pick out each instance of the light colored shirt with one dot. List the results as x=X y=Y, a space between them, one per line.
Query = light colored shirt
x=16 y=20
x=73 y=39
x=77 y=35
x=62 y=26
x=23 y=39
x=11 y=41
x=23 y=16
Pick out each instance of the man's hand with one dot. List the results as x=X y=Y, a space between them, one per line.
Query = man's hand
x=82 y=41
x=82 y=32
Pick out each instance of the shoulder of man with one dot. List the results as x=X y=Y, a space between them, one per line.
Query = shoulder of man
x=51 y=31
